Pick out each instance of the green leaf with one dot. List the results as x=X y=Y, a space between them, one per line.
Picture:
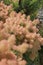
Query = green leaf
x=7 y=2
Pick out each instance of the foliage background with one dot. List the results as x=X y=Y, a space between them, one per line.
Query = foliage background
x=29 y=7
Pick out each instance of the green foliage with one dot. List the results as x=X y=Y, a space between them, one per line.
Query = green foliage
x=30 y=62
x=26 y=57
x=29 y=7
x=41 y=55
x=15 y=6
x=41 y=29
x=41 y=51
x=7 y=2
x=37 y=60
x=16 y=52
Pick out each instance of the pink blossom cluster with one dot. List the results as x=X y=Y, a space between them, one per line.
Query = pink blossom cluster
x=17 y=33
x=11 y=59
x=4 y=10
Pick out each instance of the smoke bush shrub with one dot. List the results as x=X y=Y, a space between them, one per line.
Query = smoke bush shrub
x=18 y=35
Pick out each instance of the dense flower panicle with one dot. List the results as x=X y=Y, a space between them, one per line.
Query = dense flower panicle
x=22 y=62
x=11 y=40
x=23 y=47
x=18 y=35
x=1 y=24
x=3 y=62
x=4 y=10
x=28 y=18
x=4 y=34
x=11 y=59
x=35 y=22
x=12 y=62
x=4 y=46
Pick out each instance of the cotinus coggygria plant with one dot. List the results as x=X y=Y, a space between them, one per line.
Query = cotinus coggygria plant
x=18 y=35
